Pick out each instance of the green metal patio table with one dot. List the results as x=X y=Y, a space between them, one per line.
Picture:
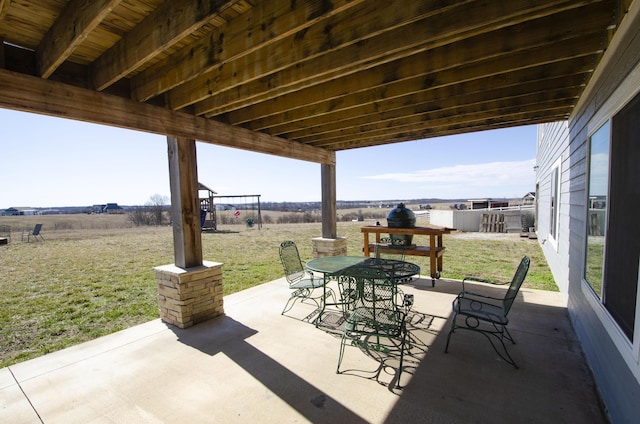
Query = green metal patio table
x=332 y=266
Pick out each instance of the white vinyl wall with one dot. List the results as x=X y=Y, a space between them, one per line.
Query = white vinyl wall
x=563 y=163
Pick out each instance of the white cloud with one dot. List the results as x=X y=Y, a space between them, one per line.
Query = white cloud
x=494 y=179
x=599 y=175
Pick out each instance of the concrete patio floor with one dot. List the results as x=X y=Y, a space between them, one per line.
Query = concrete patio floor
x=255 y=365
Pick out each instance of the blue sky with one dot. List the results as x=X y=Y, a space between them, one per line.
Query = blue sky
x=48 y=162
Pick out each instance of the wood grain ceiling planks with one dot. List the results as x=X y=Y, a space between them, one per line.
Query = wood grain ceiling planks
x=314 y=74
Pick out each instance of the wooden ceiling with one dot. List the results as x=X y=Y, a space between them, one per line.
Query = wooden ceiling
x=303 y=78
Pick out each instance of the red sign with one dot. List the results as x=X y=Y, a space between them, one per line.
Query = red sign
x=237 y=213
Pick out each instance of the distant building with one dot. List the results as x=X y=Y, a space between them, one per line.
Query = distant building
x=18 y=211
x=112 y=208
x=529 y=199
x=488 y=204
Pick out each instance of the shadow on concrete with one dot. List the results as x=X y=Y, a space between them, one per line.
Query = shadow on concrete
x=469 y=384
x=472 y=383
x=228 y=336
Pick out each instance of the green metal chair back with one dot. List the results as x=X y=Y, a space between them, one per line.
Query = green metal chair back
x=516 y=283
x=371 y=312
x=293 y=269
x=301 y=281
x=369 y=291
x=386 y=243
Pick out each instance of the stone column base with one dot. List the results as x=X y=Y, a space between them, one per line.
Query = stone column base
x=329 y=247
x=189 y=296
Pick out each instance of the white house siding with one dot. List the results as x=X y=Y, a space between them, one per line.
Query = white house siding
x=613 y=359
x=553 y=149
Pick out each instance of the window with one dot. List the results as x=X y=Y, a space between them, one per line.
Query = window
x=555 y=201
x=613 y=227
x=597 y=207
x=622 y=246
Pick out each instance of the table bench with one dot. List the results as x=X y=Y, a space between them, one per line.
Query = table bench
x=434 y=251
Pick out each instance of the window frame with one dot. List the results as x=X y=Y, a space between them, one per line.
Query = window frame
x=630 y=351
x=607 y=124
x=555 y=176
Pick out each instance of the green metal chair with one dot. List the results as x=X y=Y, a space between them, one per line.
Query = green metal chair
x=374 y=319
x=302 y=282
x=488 y=315
x=392 y=248
x=384 y=248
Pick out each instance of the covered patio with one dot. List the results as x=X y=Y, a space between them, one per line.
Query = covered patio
x=303 y=80
x=255 y=365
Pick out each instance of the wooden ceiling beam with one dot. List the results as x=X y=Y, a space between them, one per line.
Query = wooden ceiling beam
x=480 y=110
x=268 y=22
x=454 y=126
x=440 y=101
x=167 y=25
x=432 y=32
x=355 y=29
x=451 y=130
x=37 y=95
x=282 y=76
x=74 y=23
x=419 y=104
x=409 y=76
x=569 y=71
x=4 y=7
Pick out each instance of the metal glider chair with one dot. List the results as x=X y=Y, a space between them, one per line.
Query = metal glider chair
x=35 y=233
x=488 y=315
x=374 y=321
x=302 y=282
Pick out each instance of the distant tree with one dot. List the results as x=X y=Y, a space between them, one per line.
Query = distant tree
x=152 y=213
x=140 y=215
x=349 y=217
x=157 y=205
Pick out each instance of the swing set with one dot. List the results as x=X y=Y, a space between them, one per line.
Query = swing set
x=218 y=210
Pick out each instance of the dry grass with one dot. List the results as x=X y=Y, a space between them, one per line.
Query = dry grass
x=92 y=277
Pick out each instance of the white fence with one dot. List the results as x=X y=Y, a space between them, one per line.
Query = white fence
x=502 y=220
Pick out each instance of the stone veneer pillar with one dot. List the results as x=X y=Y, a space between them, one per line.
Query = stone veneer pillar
x=329 y=247
x=187 y=296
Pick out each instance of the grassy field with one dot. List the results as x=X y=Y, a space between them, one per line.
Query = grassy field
x=94 y=274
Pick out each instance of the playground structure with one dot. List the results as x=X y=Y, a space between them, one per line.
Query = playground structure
x=231 y=209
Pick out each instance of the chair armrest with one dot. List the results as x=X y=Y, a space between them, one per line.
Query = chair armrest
x=476 y=279
x=471 y=295
x=315 y=277
x=471 y=278
x=481 y=280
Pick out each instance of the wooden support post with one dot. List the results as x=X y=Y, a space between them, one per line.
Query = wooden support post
x=328 y=177
x=185 y=205
x=329 y=244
